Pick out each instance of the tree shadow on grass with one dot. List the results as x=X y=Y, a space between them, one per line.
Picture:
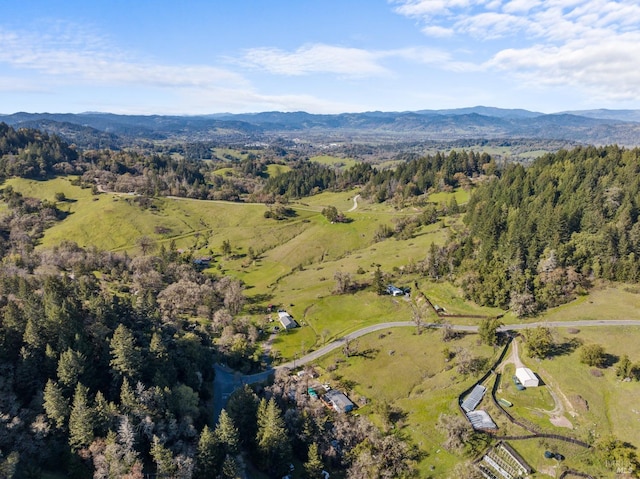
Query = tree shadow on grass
x=370 y=353
x=397 y=415
x=564 y=348
x=609 y=360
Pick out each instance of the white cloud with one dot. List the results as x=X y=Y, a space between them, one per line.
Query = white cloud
x=348 y=62
x=521 y=6
x=602 y=69
x=514 y=17
x=438 y=31
x=83 y=58
x=317 y=58
x=422 y=8
x=423 y=55
x=587 y=45
x=492 y=25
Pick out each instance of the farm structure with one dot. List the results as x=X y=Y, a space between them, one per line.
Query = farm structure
x=395 y=291
x=527 y=378
x=503 y=462
x=474 y=398
x=480 y=420
x=286 y=320
x=338 y=401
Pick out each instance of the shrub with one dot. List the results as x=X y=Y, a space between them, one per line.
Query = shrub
x=593 y=355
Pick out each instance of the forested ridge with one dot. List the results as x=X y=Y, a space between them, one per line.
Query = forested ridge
x=538 y=236
x=32 y=154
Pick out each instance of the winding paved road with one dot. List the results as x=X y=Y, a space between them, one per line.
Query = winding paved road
x=226 y=380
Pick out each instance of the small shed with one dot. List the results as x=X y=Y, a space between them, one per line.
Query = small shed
x=338 y=400
x=286 y=320
x=527 y=377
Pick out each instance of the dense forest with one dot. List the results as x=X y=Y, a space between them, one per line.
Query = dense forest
x=537 y=236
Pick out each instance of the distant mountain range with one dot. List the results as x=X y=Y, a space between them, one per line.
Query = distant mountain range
x=96 y=130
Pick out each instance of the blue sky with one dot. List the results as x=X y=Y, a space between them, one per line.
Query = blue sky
x=320 y=56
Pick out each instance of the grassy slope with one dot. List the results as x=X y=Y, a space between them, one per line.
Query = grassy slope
x=298 y=260
x=334 y=160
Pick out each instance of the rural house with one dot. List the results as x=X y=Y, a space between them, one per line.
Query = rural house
x=338 y=401
x=286 y=320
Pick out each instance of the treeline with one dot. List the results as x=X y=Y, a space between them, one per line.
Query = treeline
x=412 y=176
x=416 y=175
x=104 y=372
x=537 y=236
x=33 y=154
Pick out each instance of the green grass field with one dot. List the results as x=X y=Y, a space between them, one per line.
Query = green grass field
x=409 y=372
x=334 y=161
x=275 y=169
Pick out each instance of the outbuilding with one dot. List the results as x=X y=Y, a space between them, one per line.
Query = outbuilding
x=527 y=377
x=286 y=320
x=394 y=291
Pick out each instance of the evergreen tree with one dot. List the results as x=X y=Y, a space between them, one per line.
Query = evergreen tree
x=9 y=466
x=163 y=458
x=71 y=365
x=227 y=434
x=56 y=406
x=242 y=408
x=273 y=447
x=128 y=400
x=126 y=359
x=105 y=412
x=313 y=467
x=378 y=281
x=81 y=420
x=208 y=455
x=230 y=468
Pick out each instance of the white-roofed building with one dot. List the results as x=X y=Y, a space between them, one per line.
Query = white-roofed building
x=527 y=377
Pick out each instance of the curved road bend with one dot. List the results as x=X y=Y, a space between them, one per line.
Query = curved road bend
x=227 y=380
x=355 y=204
